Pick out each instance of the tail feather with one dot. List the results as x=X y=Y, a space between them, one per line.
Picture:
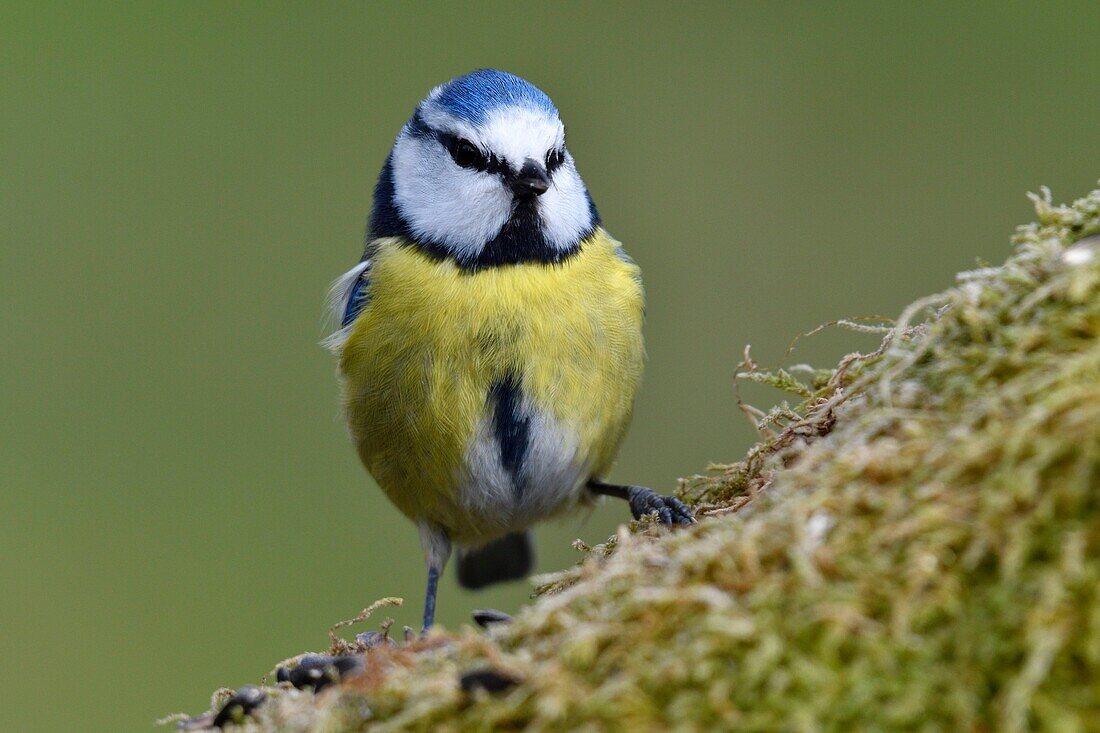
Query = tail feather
x=508 y=558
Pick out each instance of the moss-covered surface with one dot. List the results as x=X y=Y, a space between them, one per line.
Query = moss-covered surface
x=916 y=546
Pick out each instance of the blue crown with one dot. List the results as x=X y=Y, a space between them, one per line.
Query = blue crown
x=473 y=96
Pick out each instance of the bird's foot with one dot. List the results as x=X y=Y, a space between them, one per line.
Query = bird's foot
x=669 y=509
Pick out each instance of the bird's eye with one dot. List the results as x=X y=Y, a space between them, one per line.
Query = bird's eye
x=466 y=154
x=554 y=159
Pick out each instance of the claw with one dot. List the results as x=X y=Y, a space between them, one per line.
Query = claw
x=669 y=509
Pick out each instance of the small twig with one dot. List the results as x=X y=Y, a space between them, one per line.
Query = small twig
x=362 y=616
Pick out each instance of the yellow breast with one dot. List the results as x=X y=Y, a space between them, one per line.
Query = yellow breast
x=421 y=359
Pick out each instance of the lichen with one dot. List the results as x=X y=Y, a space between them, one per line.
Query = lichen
x=913 y=545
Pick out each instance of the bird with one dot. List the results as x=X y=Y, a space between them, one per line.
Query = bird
x=489 y=342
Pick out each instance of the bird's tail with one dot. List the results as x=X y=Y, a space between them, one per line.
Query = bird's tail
x=510 y=557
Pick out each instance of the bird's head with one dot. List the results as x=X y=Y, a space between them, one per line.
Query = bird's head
x=480 y=174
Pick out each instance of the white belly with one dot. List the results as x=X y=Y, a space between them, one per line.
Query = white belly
x=549 y=480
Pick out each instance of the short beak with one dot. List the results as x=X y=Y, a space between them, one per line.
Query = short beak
x=531 y=181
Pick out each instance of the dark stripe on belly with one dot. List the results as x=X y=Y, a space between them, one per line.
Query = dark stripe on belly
x=511 y=427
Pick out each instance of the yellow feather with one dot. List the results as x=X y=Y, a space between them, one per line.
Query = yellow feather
x=420 y=360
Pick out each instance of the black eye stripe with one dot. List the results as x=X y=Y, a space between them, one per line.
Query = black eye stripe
x=467 y=155
x=554 y=158
x=498 y=166
x=464 y=153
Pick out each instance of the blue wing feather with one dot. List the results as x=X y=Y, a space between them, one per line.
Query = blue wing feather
x=357 y=300
x=347 y=298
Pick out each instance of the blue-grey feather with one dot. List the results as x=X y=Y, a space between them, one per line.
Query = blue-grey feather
x=473 y=96
x=357 y=300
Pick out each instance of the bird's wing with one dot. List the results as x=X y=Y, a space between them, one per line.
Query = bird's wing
x=347 y=298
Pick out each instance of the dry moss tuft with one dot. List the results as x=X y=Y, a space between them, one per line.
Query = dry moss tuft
x=916 y=545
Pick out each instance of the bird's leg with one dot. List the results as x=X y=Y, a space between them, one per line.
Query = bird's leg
x=669 y=509
x=437 y=550
x=429 y=598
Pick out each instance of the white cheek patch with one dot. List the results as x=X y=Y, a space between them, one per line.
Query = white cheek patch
x=461 y=209
x=566 y=215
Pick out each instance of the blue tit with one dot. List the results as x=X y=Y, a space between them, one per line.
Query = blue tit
x=490 y=339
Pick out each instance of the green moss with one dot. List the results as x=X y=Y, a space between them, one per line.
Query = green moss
x=915 y=546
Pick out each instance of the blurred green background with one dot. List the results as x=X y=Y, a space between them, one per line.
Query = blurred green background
x=179 y=182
